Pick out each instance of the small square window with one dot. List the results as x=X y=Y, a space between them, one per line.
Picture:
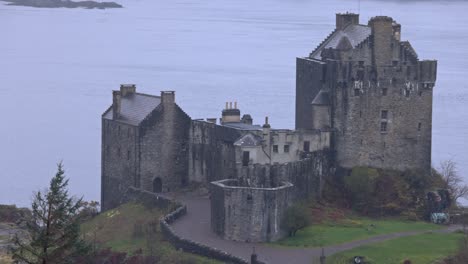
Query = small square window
x=384 y=91
x=383 y=127
x=419 y=126
x=286 y=148
x=357 y=92
x=384 y=114
x=275 y=148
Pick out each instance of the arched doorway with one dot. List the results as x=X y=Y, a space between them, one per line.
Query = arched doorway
x=157 y=185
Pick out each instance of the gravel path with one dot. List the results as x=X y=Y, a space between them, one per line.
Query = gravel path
x=196 y=226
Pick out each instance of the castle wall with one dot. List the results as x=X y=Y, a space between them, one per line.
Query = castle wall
x=307 y=175
x=212 y=154
x=309 y=81
x=119 y=161
x=368 y=97
x=248 y=214
x=164 y=145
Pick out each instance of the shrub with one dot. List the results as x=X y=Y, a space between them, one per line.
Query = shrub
x=361 y=186
x=294 y=219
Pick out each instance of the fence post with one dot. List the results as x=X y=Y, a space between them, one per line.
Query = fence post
x=253 y=257
x=322 y=257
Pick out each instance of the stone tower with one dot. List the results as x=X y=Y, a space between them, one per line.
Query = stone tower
x=374 y=91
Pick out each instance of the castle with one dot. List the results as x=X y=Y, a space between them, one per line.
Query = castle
x=363 y=98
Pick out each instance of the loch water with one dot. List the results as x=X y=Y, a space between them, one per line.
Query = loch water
x=58 y=67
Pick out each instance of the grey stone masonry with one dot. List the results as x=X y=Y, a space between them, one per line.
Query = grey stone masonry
x=379 y=93
x=249 y=214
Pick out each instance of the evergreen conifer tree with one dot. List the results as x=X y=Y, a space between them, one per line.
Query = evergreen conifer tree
x=54 y=228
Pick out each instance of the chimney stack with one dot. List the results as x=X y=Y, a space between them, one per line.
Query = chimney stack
x=343 y=20
x=230 y=115
x=127 y=89
x=167 y=97
x=266 y=125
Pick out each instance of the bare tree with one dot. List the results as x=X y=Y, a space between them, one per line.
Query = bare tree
x=452 y=180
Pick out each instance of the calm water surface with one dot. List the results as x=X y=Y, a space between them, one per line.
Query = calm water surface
x=58 y=67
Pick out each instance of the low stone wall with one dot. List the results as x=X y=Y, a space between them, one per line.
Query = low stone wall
x=150 y=199
x=192 y=246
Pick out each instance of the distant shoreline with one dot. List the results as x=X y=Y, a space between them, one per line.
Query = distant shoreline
x=64 y=3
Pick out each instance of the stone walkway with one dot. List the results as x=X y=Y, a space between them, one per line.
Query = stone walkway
x=196 y=226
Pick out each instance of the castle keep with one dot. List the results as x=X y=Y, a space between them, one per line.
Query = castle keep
x=363 y=98
x=370 y=88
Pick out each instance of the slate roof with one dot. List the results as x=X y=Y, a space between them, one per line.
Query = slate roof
x=355 y=34
x=134 y=108
x=321 y=98
x=242 y=126
x=249 y=140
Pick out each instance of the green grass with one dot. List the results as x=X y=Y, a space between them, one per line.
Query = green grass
x=420 y=249
x=124 y=230
x=350 y=230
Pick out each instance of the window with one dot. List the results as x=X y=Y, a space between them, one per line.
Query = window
x=395 y=63
x=360 y=113
x=419 y=126
x=286 y=148
x=420 y=93
x=356 y=92
x=245 y=158
x=384 y=91
x=128 y=154
x=361 y=64
x=306 y=146
x=119 y=130
x=383 y=127
x=384 y=114
x=275 y=148
x=118 y=152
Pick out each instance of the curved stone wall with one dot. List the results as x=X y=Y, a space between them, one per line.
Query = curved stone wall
x=248 y=214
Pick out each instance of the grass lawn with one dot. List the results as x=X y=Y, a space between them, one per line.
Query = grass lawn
x=346 y=230
x=420 y=249
x=125 y=229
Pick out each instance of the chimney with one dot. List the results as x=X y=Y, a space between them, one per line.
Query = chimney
x=396 y=31
x=343 y=20
x=266 y=125
x=167 y=97
x=382 y=38
x=116 y=104
x=230 y=115
x=127 y=89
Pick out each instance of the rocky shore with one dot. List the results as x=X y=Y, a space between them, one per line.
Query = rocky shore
x=63 y=3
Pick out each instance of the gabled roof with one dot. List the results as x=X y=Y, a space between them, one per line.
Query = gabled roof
x=321 y=98
x=354 y=34
x=134 y=108
x=248 y=140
